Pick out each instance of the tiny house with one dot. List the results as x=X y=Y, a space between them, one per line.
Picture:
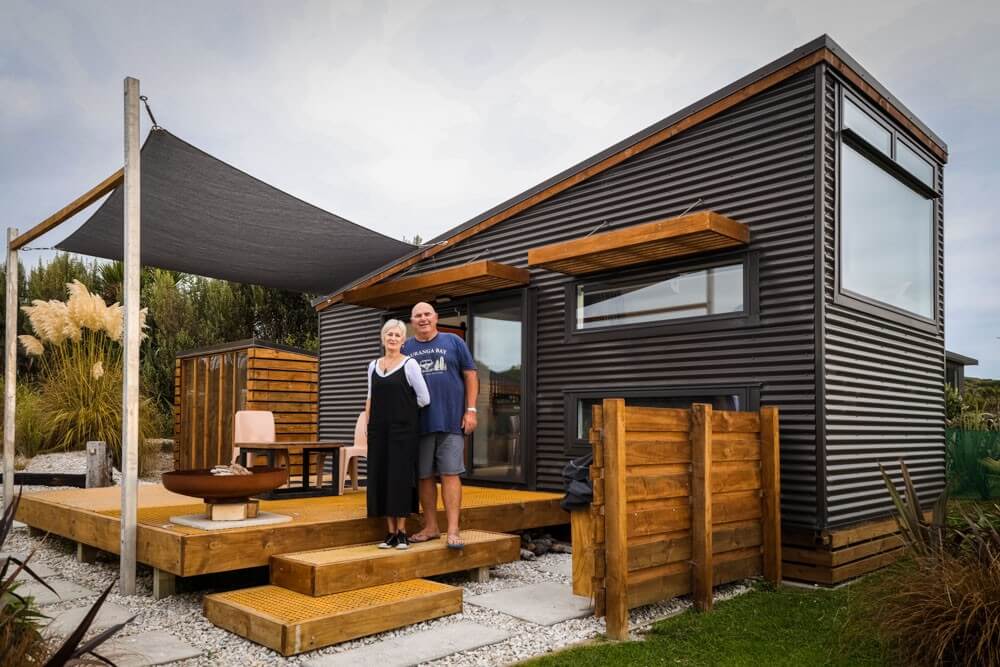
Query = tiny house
x=212 y=383
x=778 y=242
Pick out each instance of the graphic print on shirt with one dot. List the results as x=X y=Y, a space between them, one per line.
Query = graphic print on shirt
x=431 y=360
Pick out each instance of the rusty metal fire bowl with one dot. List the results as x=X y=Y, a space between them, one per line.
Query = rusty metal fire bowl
x=222 y=489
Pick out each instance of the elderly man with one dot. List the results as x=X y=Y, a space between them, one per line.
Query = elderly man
x=450 y=374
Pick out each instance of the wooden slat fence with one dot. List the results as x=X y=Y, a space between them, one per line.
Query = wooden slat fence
x=683 y=500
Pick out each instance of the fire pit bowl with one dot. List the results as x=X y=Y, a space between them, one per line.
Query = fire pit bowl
x=222 y=489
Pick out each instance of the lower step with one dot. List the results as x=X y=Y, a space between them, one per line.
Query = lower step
x=326 y=571
x=292 y=623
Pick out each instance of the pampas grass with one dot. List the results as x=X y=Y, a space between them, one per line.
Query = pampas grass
x=79 y=347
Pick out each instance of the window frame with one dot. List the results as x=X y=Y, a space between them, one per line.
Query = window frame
x=750 y=315
x=855 y=300
x=572 y=446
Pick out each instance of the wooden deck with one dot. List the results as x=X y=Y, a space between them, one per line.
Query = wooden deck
x=90 y=517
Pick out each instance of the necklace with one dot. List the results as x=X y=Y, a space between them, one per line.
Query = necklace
x=385 y=362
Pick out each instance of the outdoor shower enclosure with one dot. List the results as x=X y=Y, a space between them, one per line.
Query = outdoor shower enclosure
x=211 y=384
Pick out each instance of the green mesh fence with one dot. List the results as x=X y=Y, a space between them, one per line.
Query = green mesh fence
x=973 y=463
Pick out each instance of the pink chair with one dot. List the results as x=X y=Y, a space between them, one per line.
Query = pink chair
x=253 y=426
x=349 y=455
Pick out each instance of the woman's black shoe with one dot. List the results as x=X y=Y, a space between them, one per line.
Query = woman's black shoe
x=402 y=542
x=390 y=541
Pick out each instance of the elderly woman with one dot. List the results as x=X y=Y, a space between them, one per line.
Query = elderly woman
x=396 y=391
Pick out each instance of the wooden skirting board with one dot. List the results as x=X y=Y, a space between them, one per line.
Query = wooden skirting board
x=327 y=571
x=834 y=556
x=291 y=623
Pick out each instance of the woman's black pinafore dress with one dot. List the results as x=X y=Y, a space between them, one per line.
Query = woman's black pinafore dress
x=393 y=438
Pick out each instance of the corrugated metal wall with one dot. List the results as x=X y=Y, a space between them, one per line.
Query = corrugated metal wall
x=883 y=382
x=754 y=163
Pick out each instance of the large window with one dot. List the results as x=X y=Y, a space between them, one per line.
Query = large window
x=580 y=404
x=705 y=292
x=887 y=252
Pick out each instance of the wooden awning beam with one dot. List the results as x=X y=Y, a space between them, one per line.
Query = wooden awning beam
x=690 y=234
x=68 y=211
x=472 y=278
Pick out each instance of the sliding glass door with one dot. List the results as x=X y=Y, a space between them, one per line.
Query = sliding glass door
x=497 y=329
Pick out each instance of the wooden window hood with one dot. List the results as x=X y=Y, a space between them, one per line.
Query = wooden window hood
x=651 y=242
x=455 y=281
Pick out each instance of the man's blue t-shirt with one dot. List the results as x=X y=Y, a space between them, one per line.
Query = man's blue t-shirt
x=442 y=360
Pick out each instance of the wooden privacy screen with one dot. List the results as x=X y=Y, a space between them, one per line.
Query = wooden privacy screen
x=683 y=500
x=211 y=385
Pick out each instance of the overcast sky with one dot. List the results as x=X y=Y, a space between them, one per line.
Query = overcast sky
x=412 y=117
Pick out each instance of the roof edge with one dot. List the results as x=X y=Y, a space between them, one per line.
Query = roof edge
x=821 y=49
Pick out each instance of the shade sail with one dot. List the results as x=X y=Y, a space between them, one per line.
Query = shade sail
x=203 y=216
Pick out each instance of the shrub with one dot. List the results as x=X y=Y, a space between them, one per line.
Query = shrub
x=941 y=606
x=971 y=462
x=30 y=423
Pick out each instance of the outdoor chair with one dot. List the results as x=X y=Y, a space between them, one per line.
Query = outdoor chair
x=349 y=455
x=254 y=426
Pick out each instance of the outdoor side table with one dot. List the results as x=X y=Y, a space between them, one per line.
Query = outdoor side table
x=275 y=451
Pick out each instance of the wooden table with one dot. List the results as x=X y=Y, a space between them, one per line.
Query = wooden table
x=276 y=450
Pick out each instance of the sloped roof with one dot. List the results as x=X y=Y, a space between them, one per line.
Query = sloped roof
x=820 y=50
x=201 y=215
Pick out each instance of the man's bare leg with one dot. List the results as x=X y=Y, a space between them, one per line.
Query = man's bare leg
x=451 y=492
x=428 y=502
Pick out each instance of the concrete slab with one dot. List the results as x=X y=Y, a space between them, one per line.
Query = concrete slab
x=17 y=525
x=65 y=622
x=202 y=522
x=66 y=590
x=39 y=568
x=416 y=648
x=547 y=603
x=147 y=648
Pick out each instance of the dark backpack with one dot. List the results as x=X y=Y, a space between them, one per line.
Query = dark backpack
x=579 y=489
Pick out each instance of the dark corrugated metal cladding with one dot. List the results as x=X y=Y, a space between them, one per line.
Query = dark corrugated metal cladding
x=348 y=340
x=754 y=163
x=883 y=381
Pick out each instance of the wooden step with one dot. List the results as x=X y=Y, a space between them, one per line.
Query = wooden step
x=326 y=571
x=292 y=623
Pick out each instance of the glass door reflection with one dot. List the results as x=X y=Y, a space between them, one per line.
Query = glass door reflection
x=497 y=347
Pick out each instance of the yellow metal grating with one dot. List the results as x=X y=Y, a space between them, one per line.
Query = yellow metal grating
x=290 y=607
x=371 y=551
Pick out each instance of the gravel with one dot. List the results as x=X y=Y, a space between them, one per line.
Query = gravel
x=181 y=614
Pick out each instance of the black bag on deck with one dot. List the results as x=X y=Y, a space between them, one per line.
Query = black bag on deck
x=579 y=488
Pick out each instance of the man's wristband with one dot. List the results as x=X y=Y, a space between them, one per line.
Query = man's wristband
x=471 y=410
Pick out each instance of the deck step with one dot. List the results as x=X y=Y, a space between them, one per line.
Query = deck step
x=326 y=571
x=292 y=623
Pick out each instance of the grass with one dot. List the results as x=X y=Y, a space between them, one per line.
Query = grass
x=787 y=626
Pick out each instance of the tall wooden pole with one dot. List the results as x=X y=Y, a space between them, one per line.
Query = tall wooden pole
x=130 y=378
x=10 y=369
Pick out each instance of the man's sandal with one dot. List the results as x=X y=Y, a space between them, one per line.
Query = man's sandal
x=420 y=538
x=455 y=542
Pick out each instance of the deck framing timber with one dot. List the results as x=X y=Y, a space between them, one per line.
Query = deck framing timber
x=88 y=516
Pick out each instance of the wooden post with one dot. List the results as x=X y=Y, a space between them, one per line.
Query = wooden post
x=130 y=378
x=770 y=468
x=701 y=505
x=615 y=519
x=164 y=584
x=98 y=464
x=10 y=369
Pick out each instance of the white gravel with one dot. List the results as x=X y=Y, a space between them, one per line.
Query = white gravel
x=181 y=614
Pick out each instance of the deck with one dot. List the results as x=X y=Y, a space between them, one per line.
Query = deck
x=91 y=517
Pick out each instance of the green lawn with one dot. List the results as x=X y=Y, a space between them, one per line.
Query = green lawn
x=784 y=627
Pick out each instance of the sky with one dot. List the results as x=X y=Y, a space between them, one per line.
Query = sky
x=412 y=117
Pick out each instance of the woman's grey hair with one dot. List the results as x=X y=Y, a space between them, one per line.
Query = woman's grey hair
x=394 y=324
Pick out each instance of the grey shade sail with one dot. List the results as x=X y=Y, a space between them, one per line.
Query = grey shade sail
x=203 y=216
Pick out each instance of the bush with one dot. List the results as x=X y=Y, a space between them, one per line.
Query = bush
x=940 y=606
x=29 y=421
x=971 y=460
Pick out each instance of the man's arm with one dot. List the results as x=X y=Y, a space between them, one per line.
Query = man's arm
x=469 y=420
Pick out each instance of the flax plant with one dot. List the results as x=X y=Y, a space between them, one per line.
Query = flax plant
x=78 y=346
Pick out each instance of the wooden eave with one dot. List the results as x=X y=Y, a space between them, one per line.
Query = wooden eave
x=689 y=234
x=452 y=282
x=753 y=86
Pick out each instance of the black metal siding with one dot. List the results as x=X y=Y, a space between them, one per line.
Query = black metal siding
x=754 y=163
x=348 y=340
x=883 y=380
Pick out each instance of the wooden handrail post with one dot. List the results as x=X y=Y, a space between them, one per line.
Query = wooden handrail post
x=701 y=505
x=770 y=468
x=615 y=519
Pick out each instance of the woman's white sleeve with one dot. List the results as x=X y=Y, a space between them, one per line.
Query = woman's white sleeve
x=371 y=367
x=415 y=378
